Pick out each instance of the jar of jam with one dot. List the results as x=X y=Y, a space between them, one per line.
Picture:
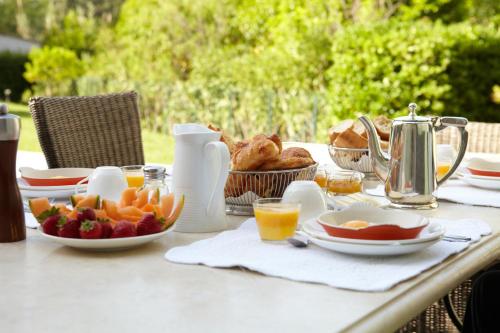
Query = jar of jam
x=12 y=226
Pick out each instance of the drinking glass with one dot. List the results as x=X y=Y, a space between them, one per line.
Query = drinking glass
x=134 y=175
x=276 y=220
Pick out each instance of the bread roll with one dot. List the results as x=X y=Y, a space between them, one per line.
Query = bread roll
x=360 y=129
x=383 y=127
x=350 y=139
x=339 y=128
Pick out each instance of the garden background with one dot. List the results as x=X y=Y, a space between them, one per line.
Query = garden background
x=252 y=66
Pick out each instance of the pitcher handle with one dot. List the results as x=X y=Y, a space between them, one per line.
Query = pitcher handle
x=459 y=123
x=221 y=151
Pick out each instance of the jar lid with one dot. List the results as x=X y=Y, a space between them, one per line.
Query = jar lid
x=154 y=172
x=10 y=124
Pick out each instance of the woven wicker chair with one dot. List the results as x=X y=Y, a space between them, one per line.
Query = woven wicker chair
x=88 y=131
x=483 y=138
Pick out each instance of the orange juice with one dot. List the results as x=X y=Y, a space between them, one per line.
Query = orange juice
x=276 y=223
x=321 y=180
x=442 y=169
x=135 y=180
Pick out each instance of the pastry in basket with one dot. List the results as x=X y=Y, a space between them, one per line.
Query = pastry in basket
x=291 y=158
x=224 y=138
x=252 y=154
x=352 y=134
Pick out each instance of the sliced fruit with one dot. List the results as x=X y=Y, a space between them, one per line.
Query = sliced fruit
x=75 y=198
x=39 y=205
x=157 y=211
x=175 y=214
x=90 y=201
x=130 y=210
x=142 y=198
x=148 y=208
x=128 y=196
x=73 y=214
x=63 y=210
x=100 y=214
x=131 y=218
x=111 y=209
x=167 y=204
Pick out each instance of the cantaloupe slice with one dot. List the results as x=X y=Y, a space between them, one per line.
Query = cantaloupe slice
x=130 y=211
x=75 y=198
x=147 y=208
x=101 y=214
x=128 y=196
x=73 y=214
x=90 y=201
x=175 y=214
x=111 y=209
x=142 y=198
x=167 y=204
x=63 y=210
x=131 y=218
x=39 y=205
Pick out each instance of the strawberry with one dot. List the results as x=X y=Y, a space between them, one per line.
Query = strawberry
x=68 y=228
x=107 y=228
x=49 y=225
x=90 y=230
x=86 y=214
x=124 y=229
x=149 y=224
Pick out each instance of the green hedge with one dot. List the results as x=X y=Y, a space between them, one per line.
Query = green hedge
x=11 y=75
x=450 y=70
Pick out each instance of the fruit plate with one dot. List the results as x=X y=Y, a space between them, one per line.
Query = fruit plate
x=54 y=177
x=108 y=244
x=383 y=224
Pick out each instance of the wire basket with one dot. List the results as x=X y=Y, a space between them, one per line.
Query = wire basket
x=351 y=159
x=244 y=187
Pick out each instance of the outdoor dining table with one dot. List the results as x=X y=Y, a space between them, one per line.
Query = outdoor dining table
x=46 y=287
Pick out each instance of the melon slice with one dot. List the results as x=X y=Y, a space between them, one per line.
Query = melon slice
x=148 y=208
x=73 y=214
x=167 y=204
x=175 y=214
x=128 y=196
x=90 y=201
x=111 y=209
x=142 y=198
x=130 y=211
x=155 y=197
x=101 y=214
x=63 y=210
x=75 y=198
x=39 y=205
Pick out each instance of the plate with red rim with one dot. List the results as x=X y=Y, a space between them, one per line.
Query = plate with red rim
x=482 y=167
x=54 y=177
x=382 y=224
x=106 y=244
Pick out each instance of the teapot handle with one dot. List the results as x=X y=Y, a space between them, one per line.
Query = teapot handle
x=459 y=123
x=220 y=150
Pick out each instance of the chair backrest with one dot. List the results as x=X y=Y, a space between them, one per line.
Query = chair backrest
x=483 y=137
x=89 y=131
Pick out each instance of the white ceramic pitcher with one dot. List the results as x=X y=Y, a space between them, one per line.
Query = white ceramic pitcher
x=201 y=168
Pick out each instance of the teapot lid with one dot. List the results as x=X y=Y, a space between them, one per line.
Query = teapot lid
x=412 y=116
x=9 y=124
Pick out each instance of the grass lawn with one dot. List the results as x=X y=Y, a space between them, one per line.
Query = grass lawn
x=158 y=148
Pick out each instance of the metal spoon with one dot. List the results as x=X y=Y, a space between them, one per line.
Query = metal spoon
x=298 y=241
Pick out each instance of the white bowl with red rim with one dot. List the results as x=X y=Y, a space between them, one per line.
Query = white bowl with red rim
x=54 y=177
x=382 y=224
x=482 y=167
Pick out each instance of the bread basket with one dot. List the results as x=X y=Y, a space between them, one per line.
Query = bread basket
x=244 y=187
x=352 y=159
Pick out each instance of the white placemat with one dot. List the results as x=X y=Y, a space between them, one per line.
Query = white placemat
x=243 y=248
x=458 y=191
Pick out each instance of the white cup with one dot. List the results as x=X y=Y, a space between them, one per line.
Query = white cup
x=309 y=195
x=108 y=182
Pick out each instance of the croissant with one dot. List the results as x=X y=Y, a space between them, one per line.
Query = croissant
x=250 y=155
x=291 y=158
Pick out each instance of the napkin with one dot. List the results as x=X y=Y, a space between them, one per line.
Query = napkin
x=243 y=248
x=30 y=221
x=457 y=191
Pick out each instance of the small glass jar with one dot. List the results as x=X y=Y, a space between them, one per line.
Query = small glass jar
x=321 y=177
x=344 y=182
x=154 y=180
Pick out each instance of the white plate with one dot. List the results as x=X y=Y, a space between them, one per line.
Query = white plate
x=66 y=191
x=370 y=249
x=433 y=232
x=481 y=181
x=108 y=244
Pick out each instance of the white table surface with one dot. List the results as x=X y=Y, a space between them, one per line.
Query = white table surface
x=46 y=287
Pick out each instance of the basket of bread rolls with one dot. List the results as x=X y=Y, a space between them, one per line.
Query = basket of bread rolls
x=349 y=143
x=261 y=168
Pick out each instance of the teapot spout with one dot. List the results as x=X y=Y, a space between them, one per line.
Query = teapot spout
x=380 y=161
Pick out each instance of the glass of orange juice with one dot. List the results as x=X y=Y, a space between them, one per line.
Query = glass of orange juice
x=276 y=220
x=134 y=175
x=321 y=177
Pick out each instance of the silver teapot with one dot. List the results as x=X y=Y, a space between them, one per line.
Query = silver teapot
x=409 y=170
